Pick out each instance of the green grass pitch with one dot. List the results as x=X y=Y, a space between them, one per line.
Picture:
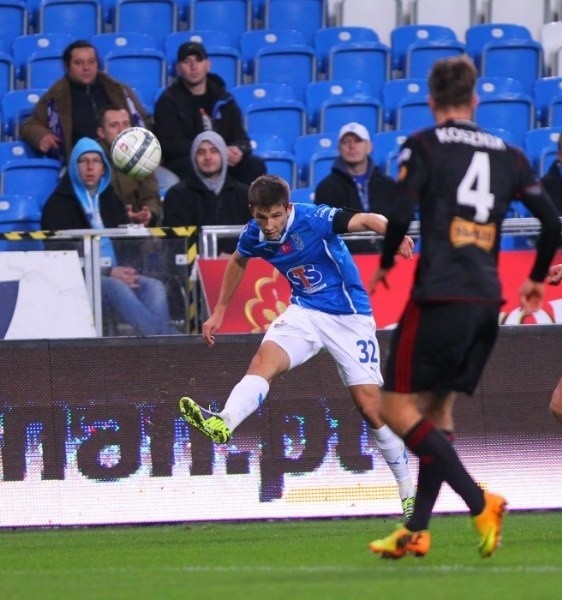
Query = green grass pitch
x=289 y=560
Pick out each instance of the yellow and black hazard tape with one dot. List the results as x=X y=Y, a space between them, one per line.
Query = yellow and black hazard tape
x=161 y=232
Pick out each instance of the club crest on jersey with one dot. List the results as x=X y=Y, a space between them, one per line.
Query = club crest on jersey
x=297 y=241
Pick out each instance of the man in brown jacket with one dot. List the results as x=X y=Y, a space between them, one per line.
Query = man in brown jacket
x=140 y=196
x=69 y=109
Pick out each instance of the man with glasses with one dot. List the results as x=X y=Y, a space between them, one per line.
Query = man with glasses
x=84 y=199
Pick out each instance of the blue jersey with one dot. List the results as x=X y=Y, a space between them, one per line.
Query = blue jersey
x=314 y=260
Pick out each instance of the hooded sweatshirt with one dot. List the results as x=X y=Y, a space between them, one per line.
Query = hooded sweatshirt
x=70 y=206
x=215 y=184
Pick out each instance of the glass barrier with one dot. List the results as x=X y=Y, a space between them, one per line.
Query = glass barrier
x=142 y=281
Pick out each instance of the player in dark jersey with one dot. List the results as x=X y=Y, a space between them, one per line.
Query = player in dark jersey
x=462 y=180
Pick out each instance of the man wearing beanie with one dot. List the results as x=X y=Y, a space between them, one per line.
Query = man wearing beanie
x=199 y=101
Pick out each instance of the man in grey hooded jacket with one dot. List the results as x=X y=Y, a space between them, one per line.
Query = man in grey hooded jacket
x=208 y=195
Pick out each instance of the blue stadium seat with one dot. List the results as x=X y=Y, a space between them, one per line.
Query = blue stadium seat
x=321 y=163
x=306 y=16
x=520 y=59
x=158 y=18
x=530 y=13
x=396 y=90
x=478 y=35
x=544 y=91
x=36 y=177
x=318 y=91
x=457 y=15
x=514 y=112
x=208 y=37
x=19 y=212
x=306 y=145
x=421 y=55
x=252 y=93
x=11 y=149
x=267 y=142
x=366 y=61
x=324 y=39
x=386 y=143
x=507 y=135
x=303 y=195
x=7 y=73
x=13 y=22
x=286 y=118
x=15 y=107
x=498 y=85
x=79 y=18
x=227 y=63
x=32 y=43
x=548 y=155
x=231 y=16
x=293 y=65
x=43 y=68
x=281 y=163
x=336 y=112
x=254 y=40
x=143 y=69
x=536 y=140
x=555 y=112
x=413 y=114
x=403 y=36
x=104 y=43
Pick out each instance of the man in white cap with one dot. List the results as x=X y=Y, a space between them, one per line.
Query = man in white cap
x=355 y=182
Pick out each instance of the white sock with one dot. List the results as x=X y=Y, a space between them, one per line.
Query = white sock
x=394 y=453
x=246 y=396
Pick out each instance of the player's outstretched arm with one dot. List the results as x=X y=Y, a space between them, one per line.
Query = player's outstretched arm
x=378 y=224
x=231 y=280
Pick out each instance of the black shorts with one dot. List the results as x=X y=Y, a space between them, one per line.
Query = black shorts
x=441 y=347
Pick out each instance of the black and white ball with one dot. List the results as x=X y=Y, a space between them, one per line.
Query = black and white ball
x=136 y=152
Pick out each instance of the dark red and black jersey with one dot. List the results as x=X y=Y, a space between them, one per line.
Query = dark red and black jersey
x=462 y=180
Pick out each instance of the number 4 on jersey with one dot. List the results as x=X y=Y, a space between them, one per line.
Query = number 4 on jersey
x=474 y=189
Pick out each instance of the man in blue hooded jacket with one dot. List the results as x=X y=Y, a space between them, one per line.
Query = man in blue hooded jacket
x=84 y=199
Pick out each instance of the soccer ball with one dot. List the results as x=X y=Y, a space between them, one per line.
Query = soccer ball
x=136 y=152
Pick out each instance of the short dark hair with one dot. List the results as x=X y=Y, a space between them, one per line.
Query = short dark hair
x=452 y=81
x=101 y=112
x=267 y=191
x=67 y=54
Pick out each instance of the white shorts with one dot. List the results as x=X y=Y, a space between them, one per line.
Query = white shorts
x=350 y=339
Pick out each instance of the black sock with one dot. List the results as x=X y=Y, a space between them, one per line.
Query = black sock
x=429 y=485
x=433 y=448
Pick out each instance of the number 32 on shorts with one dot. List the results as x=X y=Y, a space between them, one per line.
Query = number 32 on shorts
x=367 y=351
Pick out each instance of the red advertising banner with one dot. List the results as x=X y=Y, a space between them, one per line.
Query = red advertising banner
x=264 y=293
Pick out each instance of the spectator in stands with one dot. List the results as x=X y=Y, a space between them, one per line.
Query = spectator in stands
x=355 y=182
x=198 y=101
x=141 y=197
x=208 y=195
x=552 y=179
x=84 y=199
x=68 y=110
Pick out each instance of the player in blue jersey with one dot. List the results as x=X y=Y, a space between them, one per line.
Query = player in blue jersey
x=329 y=310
